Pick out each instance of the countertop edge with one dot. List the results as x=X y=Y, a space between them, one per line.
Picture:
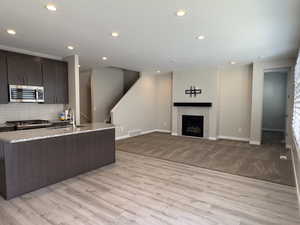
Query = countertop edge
x=57 y=135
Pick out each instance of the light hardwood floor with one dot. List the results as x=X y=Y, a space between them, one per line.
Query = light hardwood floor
x=147 y=191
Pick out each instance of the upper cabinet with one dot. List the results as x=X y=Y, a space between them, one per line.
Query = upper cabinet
x=62 y=83
x=24 y=69
x=21 y=69
x=55 y=81
x=3 y=79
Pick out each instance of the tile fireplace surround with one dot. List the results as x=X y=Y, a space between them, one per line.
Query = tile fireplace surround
x=192 y=109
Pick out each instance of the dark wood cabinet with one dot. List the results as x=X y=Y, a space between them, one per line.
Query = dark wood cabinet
x=55 y=81
x=3 y=79
x=24 y=69
x=49 y=81
x=30 y=165
x=62 y=81
x=21 y=69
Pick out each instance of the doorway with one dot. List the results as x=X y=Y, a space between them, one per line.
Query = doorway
x=275 y=105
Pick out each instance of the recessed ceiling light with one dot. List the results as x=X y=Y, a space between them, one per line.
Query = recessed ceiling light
x=158 y=71
x=10 y=31
x=201 y=37
x=104 y=58
x=180 y=12
x=232 y=62
x=115 y=34
x=70 y=47
x=51 y=7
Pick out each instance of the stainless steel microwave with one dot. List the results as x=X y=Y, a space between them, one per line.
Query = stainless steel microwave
x=22 y=93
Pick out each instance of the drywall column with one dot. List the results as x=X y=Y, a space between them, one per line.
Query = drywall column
x=235 y=94
x=257 y=103
x=74 y=85
x=163 y=101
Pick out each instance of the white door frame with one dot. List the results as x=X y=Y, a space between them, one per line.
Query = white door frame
x=286 y=70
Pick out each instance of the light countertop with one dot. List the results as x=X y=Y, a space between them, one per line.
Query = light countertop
x=36 y=134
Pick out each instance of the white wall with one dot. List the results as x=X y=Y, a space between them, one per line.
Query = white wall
x=235 y=102
x=257 y=96
x=206 y=79
x=274 y=101
x=136 y=111
x=106 y=89
x=236 y=111
x=145 y=107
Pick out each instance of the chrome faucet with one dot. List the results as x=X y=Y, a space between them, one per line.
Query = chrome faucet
x=72 y=118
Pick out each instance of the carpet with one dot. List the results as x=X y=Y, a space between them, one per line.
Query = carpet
x=234 y=157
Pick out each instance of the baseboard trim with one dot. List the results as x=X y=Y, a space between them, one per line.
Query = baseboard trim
x=212 y=138
x=254 y=142
x=162 y=131
x=122 y=137
x=147 y=132
x=234 y=138
x=142 y=133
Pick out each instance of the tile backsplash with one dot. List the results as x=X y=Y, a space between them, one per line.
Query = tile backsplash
x=28 y=111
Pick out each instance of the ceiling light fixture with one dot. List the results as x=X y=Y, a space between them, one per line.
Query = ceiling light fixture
x=158 y=71
x=201 y=37
x=51 y=7
x=70 y=47
x=104 y=58
x=180 y=13
x=232 y=62
x=115 y=34
x=11 y=32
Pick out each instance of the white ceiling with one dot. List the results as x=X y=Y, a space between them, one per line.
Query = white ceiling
x=151 y=36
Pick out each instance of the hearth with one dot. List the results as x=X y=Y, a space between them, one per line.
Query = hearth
x=192 y=125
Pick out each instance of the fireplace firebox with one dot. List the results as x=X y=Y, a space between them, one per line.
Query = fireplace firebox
x=192 y=125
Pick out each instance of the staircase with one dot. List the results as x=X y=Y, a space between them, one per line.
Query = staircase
x=130 y=78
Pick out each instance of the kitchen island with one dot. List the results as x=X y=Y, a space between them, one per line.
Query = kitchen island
x=31 y=159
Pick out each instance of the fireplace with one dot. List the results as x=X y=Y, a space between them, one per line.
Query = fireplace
x=192 y=125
